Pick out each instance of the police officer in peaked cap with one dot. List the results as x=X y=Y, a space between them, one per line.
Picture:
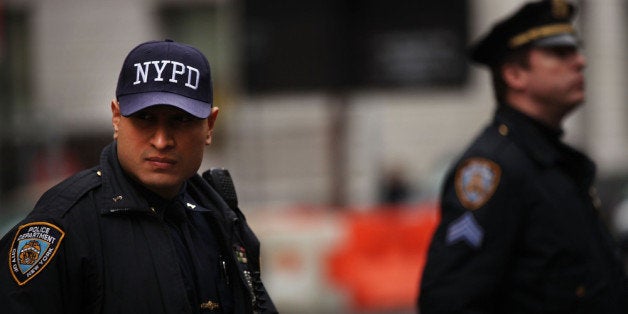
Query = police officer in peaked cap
x=141 y=232
x=520 y=229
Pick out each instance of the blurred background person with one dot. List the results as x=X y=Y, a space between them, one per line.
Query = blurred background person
x=521 y=229
x=395 y=188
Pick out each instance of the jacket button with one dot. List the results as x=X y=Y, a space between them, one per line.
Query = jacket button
x=581 y=291
x=595 y=199
x=503 y=130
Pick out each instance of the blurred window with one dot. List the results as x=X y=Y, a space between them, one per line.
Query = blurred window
x=338 y=44
x=15 y=91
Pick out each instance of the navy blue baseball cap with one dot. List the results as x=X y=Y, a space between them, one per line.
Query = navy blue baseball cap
x=165 y=73
x=545 y=23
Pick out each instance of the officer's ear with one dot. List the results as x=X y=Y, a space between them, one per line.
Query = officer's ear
x=211 y=121
x=515 y=75
x=115 y=117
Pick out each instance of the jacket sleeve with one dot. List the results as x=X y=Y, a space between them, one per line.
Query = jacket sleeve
x=470 y=250
x=44 y=267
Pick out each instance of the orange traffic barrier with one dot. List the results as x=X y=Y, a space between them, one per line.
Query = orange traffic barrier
x=380 y=261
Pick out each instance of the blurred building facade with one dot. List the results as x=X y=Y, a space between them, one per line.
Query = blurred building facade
x=319 y=101
x=325 y=144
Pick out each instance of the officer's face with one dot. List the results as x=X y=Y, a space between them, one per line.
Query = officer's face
x=556 y=78
x=161 y=146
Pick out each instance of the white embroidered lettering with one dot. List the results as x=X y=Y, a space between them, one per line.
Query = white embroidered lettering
x=143 y=71
x=176 y=64
x=189 y=83
x=160 y=69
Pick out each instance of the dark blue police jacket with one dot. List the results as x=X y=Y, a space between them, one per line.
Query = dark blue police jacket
x=94 y=244
x=521 y=230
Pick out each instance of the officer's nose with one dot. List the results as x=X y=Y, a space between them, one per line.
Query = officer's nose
x=162 y=138
x=580 y=60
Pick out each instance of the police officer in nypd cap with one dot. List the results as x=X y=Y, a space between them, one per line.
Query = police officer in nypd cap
x=520 y=229
x=141 y=232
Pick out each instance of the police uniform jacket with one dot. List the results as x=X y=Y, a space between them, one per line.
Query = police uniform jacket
x=520 y=231
x=95 y=244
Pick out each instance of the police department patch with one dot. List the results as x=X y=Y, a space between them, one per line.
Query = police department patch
x=476 y=181
x=33 y=247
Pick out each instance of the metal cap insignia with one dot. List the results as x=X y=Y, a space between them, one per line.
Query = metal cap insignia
x=560 y=9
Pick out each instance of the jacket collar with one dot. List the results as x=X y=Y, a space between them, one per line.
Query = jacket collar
x=539 y=141
x=119 y=194
x=544 y=145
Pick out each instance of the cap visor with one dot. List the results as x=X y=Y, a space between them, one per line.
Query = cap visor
x=557 y=41
x=130 y=104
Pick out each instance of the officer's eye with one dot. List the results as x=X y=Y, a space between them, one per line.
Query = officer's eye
x=563 y=52
x=143 y=115
x=184 y=118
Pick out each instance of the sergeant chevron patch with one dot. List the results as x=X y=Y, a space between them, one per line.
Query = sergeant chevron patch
x=476 y=181
x=466 y=229
x=34 y=246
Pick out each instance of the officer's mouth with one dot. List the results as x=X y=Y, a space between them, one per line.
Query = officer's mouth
x=161 y=162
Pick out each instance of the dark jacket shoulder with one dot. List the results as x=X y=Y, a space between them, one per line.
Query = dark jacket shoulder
x=512 y=144
x=61 y=197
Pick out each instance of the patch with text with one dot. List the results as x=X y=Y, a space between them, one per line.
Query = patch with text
x=476 y=181
x=34 y=246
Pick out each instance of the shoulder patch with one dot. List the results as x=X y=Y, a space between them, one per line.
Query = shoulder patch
x=476 y=181
x=34 y=246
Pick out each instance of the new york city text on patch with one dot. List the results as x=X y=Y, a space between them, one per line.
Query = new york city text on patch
x=173 y=71
x=34 y=246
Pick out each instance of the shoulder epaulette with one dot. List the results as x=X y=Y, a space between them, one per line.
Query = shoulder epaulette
x=63 y=195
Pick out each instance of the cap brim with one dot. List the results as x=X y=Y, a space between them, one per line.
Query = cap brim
x=132 y=103
x=561 y=40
